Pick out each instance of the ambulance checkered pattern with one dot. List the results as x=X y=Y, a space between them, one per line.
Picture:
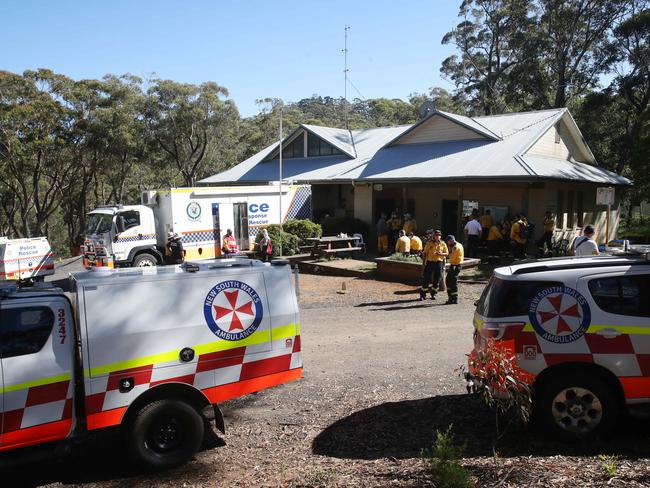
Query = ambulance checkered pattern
x=207 y=372
x=139 y=237
x=13 y=267
x=300 y=207
x=36 y=405
x=252 y=231
x=198 y=236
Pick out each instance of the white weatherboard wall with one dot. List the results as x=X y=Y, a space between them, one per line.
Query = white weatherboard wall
x=363 y=202
x=557 y=143
x=439 y=129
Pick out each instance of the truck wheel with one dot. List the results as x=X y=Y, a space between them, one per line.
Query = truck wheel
x=165 y=434
x=142 y=260
x=576 y=406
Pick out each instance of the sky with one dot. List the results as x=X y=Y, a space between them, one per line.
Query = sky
x=256 y=49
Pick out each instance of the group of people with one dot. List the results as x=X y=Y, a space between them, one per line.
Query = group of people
x=434 y=254
x=511 y=232
x=390 y=230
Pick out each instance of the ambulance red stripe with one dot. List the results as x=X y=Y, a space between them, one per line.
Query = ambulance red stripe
x=38 y=434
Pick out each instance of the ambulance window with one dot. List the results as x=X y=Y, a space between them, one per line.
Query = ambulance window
x=24 y=330
x=131 y=218
x=623 y=295
x=509 y=298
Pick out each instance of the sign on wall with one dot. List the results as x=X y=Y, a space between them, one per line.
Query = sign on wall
x=469 y=206
x=605 y=195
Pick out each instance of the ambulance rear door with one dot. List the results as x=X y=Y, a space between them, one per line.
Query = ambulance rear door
x=36 y=358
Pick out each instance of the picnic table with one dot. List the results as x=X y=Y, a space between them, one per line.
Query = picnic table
x=331 y=245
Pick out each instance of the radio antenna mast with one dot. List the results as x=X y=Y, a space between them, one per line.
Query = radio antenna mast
x=345 y=75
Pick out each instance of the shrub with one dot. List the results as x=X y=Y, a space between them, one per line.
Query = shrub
x=303 y=228
x=443 y=461
x=290 y=243
x=409 y=258
x=348 y=225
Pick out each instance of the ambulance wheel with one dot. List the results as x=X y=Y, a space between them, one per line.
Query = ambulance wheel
x=144 y=259
x=576 y=406
x=165 y=434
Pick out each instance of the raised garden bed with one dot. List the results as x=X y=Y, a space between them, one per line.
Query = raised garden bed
x=408 y=272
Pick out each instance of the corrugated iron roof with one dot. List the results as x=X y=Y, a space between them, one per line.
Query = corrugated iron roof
x=501 y=155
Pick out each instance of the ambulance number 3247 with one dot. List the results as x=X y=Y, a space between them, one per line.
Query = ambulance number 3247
x=62 y=325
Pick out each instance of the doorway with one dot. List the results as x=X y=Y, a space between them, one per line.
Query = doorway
x=240 y=218
x=449 y=221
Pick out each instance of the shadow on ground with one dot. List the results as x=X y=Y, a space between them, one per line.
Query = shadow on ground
x=102 y=458
x=402 y=429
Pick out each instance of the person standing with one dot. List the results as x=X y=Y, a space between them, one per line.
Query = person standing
x=394 y=226
x=486 y=223
x=410 y=224
x=403 y=244
x=229 y=244
x=433 y=259
x=266 y=248
x=473 y=231
x=547 y=236
x=585 y=244
x=176 y=253
x=416 y=244
x=456 y=258
x=518 y=238
x=382 y=234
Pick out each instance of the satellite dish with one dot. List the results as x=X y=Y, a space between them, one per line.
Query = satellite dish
x=426 y=108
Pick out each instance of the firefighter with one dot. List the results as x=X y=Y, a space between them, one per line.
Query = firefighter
x=416 y=244
x=229 y=244
x=174 y=250
x=403 y=244
x=547 y=236
x=518 y=238
x=410 y=224
x=486 y=223
x=433 y=259
x=456 y=257
x=382 y=234
x=394 y=226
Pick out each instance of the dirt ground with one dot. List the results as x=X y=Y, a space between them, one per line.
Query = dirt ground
x=379 y=379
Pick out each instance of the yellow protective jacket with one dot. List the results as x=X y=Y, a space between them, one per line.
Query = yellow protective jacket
x=429 y=253
x=457 y=254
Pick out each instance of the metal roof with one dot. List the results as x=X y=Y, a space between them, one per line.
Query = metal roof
x=373 y=155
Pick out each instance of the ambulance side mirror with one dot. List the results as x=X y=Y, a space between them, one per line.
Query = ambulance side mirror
x=119 y=223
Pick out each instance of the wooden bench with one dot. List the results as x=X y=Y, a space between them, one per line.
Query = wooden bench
x=340 y=249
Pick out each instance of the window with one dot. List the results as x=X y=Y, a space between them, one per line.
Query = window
x=580 y=208
x=295 y=149
x=622 y=295
x=558 y=136
x=509 y=298
x=99 y=223
x=318 y=147
x=560 y=210
x=131 y=218
x=24 y=330
x=570 y=216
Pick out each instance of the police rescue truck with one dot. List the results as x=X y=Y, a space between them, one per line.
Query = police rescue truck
x=579 y=331
x=136 y=235
x=25 y=260
x=149 y=350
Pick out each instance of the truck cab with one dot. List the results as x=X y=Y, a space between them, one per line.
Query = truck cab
x=119 y=235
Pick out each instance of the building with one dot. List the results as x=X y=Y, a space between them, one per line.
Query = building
x=443 y=166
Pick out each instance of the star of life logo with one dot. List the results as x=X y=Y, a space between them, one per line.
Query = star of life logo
x=232 y=310
x=559 y=314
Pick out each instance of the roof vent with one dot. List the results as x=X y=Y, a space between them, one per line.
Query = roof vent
x=426 y=108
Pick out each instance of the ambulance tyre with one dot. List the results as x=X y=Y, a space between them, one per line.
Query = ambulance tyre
x=144 y=260
x=576 y=407
x=165 y=434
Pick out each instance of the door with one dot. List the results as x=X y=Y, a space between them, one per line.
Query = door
x=216 y=229
x=240 y=219
x=36 y=356
x=384 y=205
x=449 y=221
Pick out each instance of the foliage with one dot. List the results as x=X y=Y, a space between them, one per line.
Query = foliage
x=347 y=225
x=637 y=231
x=494 y=376
x=608 y=464
x=443 y=462
x=290 y=243
x=408 y=258
x=303 y=229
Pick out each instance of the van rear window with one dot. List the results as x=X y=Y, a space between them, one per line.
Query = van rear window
x=509 y=298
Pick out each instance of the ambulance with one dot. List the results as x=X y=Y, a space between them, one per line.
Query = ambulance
x=136 y=235
x=151 y=351
x=579 y=332
x=25 y=260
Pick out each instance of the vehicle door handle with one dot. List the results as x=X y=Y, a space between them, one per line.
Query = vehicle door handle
x=608 y=333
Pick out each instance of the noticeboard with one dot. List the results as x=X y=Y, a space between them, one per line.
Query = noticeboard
x=469 y=206
x=605 y=195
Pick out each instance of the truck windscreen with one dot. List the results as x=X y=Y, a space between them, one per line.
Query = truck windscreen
x=99 y=223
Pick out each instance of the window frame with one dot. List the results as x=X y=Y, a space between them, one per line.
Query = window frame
x=26 y=307
x=618 y=300
x=559 y=214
